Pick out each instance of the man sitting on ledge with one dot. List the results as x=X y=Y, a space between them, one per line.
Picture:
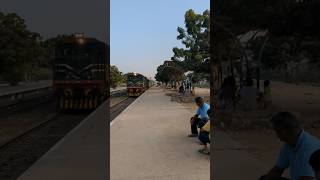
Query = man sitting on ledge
x=296 y=151
x=200 y=118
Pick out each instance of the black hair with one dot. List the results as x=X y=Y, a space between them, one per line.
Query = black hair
x=285 y=120
x=314 y=160
x=198 y=99
x=266 y=83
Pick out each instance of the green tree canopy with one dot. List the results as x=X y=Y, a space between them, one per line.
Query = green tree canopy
x=169 y=73
x=21 y=51
x=195 y=38
x=292 y=29
x=116 y=77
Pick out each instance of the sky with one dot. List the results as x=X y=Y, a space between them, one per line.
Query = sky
x=52 y=17
x=143 y=32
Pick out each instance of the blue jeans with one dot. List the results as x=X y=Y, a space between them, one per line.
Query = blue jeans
x=204 y=137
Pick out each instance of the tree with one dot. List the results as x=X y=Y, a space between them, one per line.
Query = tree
x=21 y=51
x=158 y=75
x=195 y=37
x=292 y=29
x=169 y=74
x=116 y=77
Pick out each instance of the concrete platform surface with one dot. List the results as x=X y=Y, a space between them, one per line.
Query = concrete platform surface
x=149 y=142
x=232 y=161
x=80 y=155
x=23 y=86
x=117 y=89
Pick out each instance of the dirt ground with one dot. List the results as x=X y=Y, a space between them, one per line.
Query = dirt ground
x=262 y=143
x=189 y=101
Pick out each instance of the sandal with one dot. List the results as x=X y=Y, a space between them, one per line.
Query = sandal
x=204 y=151
x=193 y=135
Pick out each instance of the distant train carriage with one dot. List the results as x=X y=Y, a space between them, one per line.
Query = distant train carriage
x=147 y=83
x=135 y=84
x=151 y=83
x=80 y=72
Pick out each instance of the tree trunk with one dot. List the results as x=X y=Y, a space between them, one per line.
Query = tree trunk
x=258 y=78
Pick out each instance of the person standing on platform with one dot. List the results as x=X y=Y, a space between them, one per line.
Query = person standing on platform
x=249 y=96
x=187 y=89
x=181 y=90
x=200 y=118
x=184 y=88
x=267 y=94
x=264 y=98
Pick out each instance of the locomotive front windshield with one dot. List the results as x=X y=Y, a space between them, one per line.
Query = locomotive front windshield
x=135 y=80
x=80 y=61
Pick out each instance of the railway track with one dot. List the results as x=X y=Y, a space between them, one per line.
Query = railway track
x=118 y=108
x=19 y=153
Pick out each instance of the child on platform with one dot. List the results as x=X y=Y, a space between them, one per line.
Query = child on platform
x=204 y=136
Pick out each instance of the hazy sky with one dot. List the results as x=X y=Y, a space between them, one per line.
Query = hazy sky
x=51 y=17
x=143 y=32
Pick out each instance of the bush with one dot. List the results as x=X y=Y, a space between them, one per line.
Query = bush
x=13 y=77
x=43 y=74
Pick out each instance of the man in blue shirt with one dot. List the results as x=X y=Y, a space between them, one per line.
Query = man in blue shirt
x=296 y=151
x=200 y=118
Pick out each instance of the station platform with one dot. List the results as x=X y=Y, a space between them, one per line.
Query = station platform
x=148 y=141
x=232 y=161
x=6 y=89
x=117 y=89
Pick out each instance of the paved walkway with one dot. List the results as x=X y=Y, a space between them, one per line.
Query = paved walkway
x=6 y=89
x=149 y=142
x=231 y=160
x=117 y=89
